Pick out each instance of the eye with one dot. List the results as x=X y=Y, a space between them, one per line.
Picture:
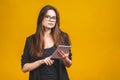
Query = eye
x=53 y=17
x=47 y=16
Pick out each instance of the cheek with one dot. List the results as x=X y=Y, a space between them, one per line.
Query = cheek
x=43 y=23
x=54 y=23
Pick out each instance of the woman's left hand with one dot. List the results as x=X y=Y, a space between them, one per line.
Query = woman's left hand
x=63 y=55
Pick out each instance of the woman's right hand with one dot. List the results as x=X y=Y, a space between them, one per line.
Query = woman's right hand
x=48 y=61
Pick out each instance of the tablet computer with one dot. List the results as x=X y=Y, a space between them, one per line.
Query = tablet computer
x=64 y=48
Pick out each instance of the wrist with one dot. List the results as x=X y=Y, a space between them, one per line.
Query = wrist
x=66 y=59
x=41 y=61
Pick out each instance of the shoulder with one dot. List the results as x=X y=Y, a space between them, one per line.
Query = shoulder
x=30 y=38
x=65 y=35
x=66 y=38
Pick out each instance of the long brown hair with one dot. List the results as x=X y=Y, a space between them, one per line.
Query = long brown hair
x=59 y=36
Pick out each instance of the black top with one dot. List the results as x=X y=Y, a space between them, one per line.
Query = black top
x=56 y=71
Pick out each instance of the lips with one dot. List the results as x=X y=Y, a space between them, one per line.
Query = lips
x=50 y=24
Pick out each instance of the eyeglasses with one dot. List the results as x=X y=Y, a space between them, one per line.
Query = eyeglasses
x=48 y=17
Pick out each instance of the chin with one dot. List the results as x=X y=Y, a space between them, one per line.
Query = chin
x=51 y=27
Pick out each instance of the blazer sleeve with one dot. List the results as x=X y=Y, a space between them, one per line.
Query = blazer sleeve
x=25 y=58
x=70 y=55
x=67 y=42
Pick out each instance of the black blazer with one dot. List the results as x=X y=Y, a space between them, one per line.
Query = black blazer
x=34 y=75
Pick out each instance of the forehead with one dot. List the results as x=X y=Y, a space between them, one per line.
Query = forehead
x=51 y=13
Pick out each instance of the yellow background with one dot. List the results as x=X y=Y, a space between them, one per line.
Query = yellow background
x=93 y=26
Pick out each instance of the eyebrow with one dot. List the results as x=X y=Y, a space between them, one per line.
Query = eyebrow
x=50 y=16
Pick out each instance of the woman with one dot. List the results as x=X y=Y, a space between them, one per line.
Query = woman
x=36 y=58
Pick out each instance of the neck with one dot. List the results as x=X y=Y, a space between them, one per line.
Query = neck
x=47 y=32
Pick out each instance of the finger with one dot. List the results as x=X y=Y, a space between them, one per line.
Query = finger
x=60 y=54
x=67 y=51
x=50 y=57
x=46 y=62
x=65 y=54
x=49 y=61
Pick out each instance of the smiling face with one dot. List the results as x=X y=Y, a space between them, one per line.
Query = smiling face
x=49 y=19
